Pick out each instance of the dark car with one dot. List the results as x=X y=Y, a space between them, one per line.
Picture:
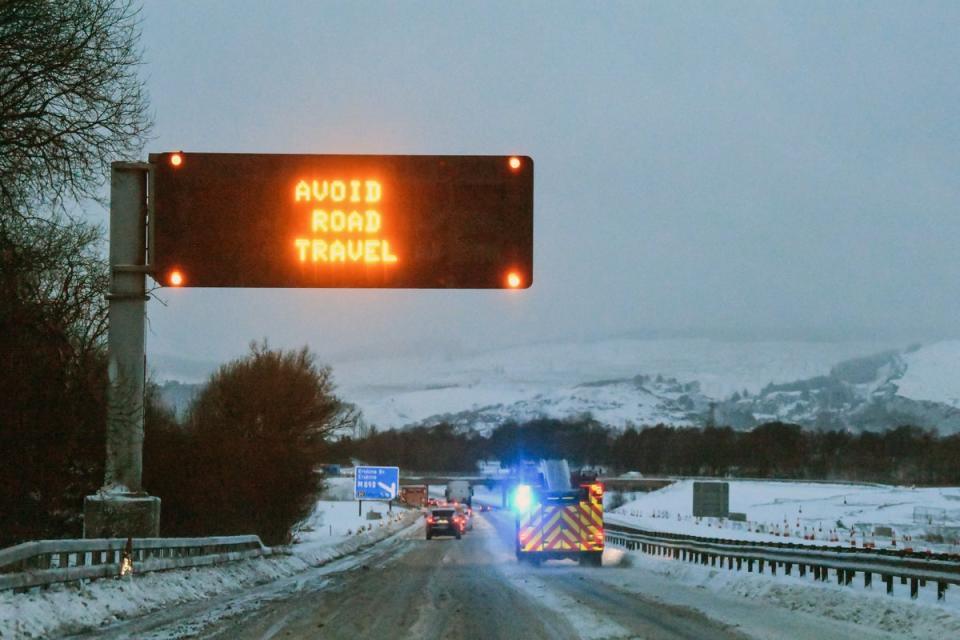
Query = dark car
x=444 y=521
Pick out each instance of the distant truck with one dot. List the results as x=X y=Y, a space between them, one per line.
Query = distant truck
x=459 y=491
x=414 y=495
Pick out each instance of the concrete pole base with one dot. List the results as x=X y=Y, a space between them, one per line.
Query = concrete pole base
x=107 y=515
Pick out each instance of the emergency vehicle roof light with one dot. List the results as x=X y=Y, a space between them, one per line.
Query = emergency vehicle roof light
x=522 y=498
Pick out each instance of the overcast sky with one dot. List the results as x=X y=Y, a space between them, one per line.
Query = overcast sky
x=736 y=169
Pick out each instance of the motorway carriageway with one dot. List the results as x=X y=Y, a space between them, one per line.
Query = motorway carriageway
x=408 y=587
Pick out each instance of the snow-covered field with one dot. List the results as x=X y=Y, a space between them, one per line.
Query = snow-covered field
x=339 y=516
x=825 y=511
x=333 y=531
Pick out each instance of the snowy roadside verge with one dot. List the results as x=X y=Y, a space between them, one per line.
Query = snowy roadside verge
x=70 y=609
x=789 y=607
x=887 y=516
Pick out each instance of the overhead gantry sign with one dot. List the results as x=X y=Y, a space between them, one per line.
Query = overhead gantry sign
x=255 y=220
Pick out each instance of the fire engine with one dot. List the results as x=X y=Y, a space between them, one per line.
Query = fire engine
x=559 y=515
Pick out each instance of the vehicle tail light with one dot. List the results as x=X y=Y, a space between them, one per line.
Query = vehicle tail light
x=598 y=535
x=596 y=489
x=430 y=520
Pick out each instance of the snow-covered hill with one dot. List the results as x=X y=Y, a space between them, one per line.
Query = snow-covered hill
x=638 y=400
x=634 y=381
x=618 y=381
x=919 y=385
x=624 y=382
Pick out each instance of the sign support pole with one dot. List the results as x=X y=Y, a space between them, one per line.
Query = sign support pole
x=121 y=508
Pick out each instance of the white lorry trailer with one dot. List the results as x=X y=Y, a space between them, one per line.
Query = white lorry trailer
x=459 y=491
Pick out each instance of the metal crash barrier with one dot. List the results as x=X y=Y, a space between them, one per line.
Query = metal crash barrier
x=914 y=568
x=45 y=562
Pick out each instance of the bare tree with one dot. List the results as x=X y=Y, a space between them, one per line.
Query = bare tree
x=71 y=103
x=55 y=269
x=71 y=100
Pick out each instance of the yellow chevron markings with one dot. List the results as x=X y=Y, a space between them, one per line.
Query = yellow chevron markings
x=570 y=520
x=553 y=534
x=533 y=543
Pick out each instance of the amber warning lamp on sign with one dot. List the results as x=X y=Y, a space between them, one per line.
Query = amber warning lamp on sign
x=253 y=220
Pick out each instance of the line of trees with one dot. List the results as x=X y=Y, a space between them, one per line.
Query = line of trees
x=71 y=101
x=906 y=454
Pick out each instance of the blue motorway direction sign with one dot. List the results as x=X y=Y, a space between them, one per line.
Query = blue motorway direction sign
x=376 y=483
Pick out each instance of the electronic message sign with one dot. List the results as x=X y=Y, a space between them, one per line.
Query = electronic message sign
x=255 y=220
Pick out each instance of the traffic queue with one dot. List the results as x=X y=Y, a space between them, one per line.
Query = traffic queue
x=450 y=516
x=450 y=519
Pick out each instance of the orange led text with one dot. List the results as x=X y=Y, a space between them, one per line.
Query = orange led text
x=343 y=233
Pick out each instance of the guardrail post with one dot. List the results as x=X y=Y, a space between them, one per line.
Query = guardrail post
x=803 y=570
x=889 y=580
x=760 y=565
x=773 y=568
x=848 y=576
x=868 y=579
x=913 y=588
x=941 y=590
x=788 y=567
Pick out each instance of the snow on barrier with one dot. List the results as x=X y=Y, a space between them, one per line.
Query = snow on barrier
x=45 y=562
x=918 y=569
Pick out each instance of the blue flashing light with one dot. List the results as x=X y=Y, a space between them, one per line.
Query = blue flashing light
x=522 y=498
